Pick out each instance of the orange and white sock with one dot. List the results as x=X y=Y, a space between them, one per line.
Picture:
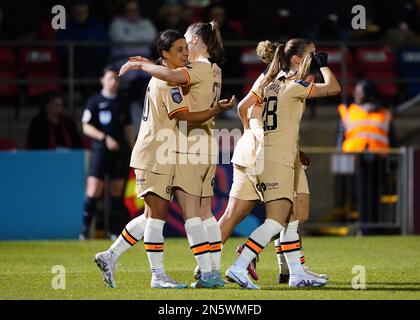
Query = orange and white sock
x=154 y=243
x=215 y=241
x=290 y=246
x=132 y=233
x=281 y=260
x=199 y=244
x=257 y=241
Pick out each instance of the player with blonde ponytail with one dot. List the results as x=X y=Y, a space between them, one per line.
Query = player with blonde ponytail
x=282 y=90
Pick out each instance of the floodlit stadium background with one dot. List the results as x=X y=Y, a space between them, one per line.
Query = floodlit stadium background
x=41 y=192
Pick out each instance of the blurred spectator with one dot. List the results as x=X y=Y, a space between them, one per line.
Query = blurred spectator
x=366 y=128
x=141 y=32
x=173 y=16
x=52 y=128
x=89 y=60
x=400 y=34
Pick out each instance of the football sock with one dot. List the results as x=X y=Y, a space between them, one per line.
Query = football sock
x=89 y=211
x=199 y=244
x=257 y=241
x=132 y=233
x=290 y=246
x=281 y=260
x=215 y=241
x=154 y=243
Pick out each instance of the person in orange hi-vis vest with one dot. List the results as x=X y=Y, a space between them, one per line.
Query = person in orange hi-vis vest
x=366 y=127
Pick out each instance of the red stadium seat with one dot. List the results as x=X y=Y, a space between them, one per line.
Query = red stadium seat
x=8 y=90
x=378 y=64
x=7 y=144
x=8 y=71
x=375 y=59
x=335 y=58
x=40 y=63
x=387 y=89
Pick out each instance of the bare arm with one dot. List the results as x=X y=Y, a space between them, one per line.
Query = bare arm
x=243 y=106
x=129 y=133
x=96 y=134
x=177 y=76
x=92 y=132
x=331 y=87
x=203 y=116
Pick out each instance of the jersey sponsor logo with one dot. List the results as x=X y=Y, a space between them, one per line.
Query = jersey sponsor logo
x=302 y=82
x=176 y=95
x=105 y=117
x=87 y=115
x=264 y=186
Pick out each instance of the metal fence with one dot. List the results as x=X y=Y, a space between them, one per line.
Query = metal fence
x=364 y=193
x=70 y=81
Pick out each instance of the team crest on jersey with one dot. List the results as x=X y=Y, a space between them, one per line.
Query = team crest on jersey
x=176 y=95
x=105 y=117
x=302 y=82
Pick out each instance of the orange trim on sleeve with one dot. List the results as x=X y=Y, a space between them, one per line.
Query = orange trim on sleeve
x=310 y=91
x=188 y=78
x=259 y=100
x=176 y=111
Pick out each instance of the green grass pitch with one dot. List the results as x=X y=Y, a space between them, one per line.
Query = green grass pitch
x=392 y=267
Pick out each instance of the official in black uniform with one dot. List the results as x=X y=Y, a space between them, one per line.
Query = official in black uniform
x=107 y=121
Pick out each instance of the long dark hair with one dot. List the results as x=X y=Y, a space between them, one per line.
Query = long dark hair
x=210 y=35
x=282 y=57
x=165 y=41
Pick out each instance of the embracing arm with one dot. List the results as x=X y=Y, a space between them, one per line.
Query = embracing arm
x=243 y=107
x=178 y=76
x=203 y=116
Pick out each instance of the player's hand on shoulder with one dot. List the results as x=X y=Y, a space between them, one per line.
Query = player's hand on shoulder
x=226 y=105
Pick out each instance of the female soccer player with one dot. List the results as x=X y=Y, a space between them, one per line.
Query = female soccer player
x=164 y=104
x=243 y=195
x=285 y=93
x=196 y=165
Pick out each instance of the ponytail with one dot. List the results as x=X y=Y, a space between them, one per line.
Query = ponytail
x=278 y=63
x=265 y=50
x=282 y=58
x=210 y=35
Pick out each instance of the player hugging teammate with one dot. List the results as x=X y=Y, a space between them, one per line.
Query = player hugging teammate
x=184 y=92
